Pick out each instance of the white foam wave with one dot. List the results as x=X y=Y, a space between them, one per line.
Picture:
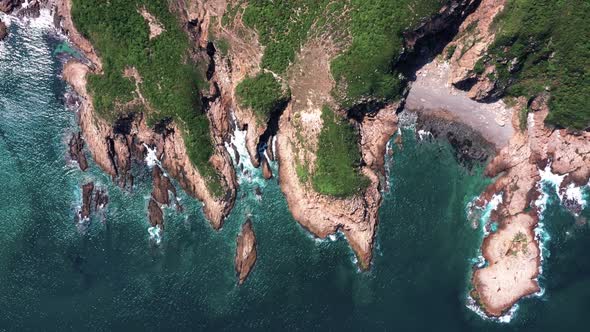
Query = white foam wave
x=245 y=170
x=504 y=319
x=570 y=193
x=151 y=159
x=155 y=234
x=424 y=134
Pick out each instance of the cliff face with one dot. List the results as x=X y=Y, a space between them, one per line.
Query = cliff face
x=8 y=6
x=474 y=37
x=3 y=30
x=114 y=147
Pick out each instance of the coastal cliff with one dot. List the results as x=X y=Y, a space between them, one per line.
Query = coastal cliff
x=115 y=146
x=298 y=124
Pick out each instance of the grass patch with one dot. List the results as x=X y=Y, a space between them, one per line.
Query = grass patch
x=263 y=94
x=450 y=51
x=543 y=43
x=302 y=173
x=362 y=71
x=365 y=70
x=171 y=82
x=338 y=158
x=282 y=28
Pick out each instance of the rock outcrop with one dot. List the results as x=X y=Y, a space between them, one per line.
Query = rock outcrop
x=87 y=191
x=94 y=199
x=8 y=6
x=245 y=252
x=473 y=39
x=3 y=30
x=162 y=189
x=76 y=145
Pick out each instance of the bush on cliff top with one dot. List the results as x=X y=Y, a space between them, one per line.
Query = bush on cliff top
x=338 y=158
x=170 y=81
x=544 y=43
x=262 y=93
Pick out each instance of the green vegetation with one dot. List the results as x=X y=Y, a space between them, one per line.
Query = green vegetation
x=519 y=244
x=546 y=44
x=282 y=27
x=338 y=157
x=365 y=70
x=262 y=93
x=450 y=51
x=222 y=45
x=170 y=81
x=369 y=34
x=302 y=173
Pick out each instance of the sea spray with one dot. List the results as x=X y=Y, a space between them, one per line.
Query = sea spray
x=155 y=234
x=151 y=158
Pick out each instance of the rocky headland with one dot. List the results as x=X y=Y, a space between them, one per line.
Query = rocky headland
x=525 y=145
x=115 y=146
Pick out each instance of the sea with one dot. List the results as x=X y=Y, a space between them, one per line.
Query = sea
x=112 y=274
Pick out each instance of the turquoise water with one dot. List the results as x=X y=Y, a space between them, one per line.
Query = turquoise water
x=55 y=277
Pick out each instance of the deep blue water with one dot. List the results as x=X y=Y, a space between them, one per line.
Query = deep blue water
x=55 y=277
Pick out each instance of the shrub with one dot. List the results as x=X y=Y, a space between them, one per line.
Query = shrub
x=338 y=158
x=262 y=93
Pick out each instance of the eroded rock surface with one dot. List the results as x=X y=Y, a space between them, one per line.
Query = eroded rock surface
x=8 y=6
x=3 y=30
x=475 y=36
x=76 y=145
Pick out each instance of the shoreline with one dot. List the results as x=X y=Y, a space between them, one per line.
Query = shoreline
x=431 y=95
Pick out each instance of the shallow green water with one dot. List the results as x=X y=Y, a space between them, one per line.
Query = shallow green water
x=55 y=277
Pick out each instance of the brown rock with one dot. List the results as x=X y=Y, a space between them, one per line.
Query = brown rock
x=76 y=150
x=266 y=171
x=269 y=149
x=475 y=34
x=512 y=252
x=87 y=191
x=161 y=186
x=155 y=214
x=33 y=9
x=101 y=199
x=7 y=6
x=3 y=30
x=245 y=251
